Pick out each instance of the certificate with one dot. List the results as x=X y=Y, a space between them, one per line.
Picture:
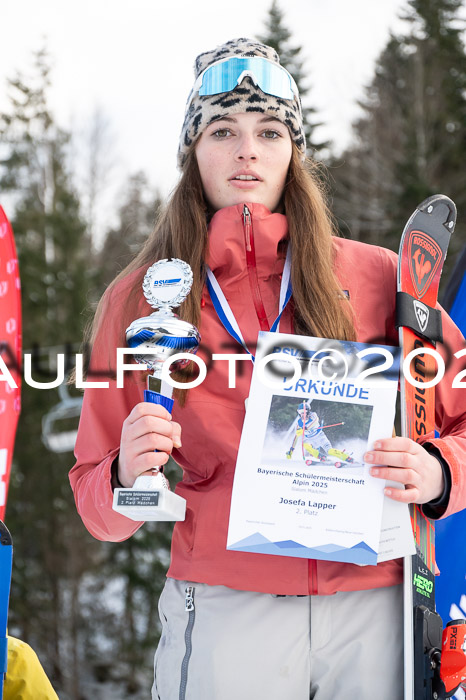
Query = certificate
x=301 y=487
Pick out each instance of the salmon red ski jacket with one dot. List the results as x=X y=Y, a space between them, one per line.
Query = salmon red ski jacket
x=213 y=416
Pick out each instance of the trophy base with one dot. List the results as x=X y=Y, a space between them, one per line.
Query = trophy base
x=149 y=500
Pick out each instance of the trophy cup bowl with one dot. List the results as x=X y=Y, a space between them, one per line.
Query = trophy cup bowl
x=163 y=332
x=158 y=337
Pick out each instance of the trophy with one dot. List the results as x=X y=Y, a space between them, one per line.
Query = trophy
x=157 y=337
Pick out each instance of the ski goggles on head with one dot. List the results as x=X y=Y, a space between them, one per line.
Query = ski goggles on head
x=227 y=74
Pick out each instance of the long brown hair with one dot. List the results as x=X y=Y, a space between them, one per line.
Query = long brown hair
x=320 y=308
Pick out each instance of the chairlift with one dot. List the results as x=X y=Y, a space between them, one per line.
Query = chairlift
x=65 y=412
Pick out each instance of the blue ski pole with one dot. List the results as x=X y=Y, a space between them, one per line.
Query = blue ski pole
x=6 y=560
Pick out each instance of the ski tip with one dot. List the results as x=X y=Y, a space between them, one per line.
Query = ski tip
x=441 y=208
x=5 y=537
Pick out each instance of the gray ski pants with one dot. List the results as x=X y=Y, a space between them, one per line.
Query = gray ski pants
x=239 y=645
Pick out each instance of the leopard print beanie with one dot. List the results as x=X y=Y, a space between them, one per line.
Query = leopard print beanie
x=202 y=110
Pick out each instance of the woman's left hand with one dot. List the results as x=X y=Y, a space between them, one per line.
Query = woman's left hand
x=409 y=464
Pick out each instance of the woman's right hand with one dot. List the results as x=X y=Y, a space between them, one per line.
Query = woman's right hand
x=148 y=427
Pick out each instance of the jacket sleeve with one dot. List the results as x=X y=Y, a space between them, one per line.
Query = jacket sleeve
x=450 y=416
x=98 y=440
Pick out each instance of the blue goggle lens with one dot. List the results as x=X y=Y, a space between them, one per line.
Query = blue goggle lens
x=225 y=76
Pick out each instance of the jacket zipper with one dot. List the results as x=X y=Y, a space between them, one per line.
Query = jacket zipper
x=264 y=326
x=189 y=608
x=313 y=577
x=252 y=270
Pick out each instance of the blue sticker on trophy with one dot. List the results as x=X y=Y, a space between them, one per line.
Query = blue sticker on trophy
x=167 y=283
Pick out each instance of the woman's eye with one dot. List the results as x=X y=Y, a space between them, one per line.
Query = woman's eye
x=221 y=133
x=271 y=134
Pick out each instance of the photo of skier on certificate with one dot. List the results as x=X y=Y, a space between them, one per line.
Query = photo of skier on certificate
x=316 y=447
x=318 y=433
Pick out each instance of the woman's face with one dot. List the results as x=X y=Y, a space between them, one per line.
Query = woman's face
x=244 y=158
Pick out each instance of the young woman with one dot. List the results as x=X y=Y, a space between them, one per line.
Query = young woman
x=241 y=625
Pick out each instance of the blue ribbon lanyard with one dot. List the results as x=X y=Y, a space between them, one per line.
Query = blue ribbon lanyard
x=227 y=316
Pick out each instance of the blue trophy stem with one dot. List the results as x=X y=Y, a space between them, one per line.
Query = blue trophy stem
x=155 y=397
x=159 y=392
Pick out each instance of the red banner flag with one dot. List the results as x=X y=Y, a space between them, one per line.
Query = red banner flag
x=10 y=353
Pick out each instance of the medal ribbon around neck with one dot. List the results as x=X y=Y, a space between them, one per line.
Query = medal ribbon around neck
x=227 y=316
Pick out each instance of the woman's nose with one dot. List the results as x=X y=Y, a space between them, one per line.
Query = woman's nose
x=247 y=148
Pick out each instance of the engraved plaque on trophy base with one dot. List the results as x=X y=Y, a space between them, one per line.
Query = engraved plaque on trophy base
x=147 y=500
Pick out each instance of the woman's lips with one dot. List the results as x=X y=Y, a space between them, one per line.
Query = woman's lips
x=245 y=184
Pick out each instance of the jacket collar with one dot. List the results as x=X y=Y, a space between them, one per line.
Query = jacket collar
x=226 y=254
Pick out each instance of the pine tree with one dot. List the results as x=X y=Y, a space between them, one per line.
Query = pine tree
x=435 y=146
x=409 y=142
x=278 y=36
x=50 y=556
x=63 y=600
x=137 y=215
